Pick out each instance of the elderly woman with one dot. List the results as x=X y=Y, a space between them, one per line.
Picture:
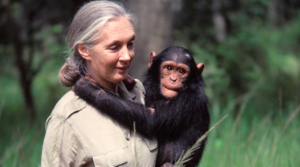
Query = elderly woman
x=101 y=42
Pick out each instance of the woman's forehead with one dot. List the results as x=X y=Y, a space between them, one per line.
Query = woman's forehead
x=117 y=29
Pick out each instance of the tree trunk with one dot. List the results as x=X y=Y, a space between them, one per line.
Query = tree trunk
x=27 y=94
x=25 y=77
x=219 y=21
x=276 y=12
x=154 y=27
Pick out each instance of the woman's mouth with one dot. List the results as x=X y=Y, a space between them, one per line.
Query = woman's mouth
x=122 y=69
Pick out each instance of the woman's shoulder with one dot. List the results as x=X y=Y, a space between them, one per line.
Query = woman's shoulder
x=68 y=104
x=135 y=93
x=138 y=85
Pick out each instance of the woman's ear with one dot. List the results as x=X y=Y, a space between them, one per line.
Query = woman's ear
x=83 y=51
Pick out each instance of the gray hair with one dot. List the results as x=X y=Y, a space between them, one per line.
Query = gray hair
x=84 y=29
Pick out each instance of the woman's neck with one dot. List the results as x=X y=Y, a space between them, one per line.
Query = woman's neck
x=105 y=84
x=109 y=86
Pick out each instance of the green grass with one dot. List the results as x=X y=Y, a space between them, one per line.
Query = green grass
x=268 y=141
x=20 y=143
x=255 y=141
x=23 y=148
x=250 y=140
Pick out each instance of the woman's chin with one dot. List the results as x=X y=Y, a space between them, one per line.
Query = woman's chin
x=120 y=77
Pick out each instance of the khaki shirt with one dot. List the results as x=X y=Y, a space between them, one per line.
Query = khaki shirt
x=79 y=135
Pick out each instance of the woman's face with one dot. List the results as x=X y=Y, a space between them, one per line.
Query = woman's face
x=109 y=59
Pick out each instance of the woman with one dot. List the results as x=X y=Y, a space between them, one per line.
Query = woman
x=101 y=41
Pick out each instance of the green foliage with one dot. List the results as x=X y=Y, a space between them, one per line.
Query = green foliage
x=24 y=147
x=265 y=141
x=189 y=153
x=20 y=143
x=253 y=75
x=254 y=53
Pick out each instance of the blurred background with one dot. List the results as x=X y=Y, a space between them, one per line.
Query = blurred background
x=250 y=48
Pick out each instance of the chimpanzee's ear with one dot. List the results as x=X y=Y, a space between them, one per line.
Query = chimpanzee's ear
x=151 y=55
x=200 y=67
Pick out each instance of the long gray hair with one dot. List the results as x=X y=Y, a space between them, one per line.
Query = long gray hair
x=85 y=29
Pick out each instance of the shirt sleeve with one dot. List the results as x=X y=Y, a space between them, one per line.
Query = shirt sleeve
x=61 y=146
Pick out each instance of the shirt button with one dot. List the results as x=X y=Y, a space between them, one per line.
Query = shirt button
x=127 y=137
x=112 y=163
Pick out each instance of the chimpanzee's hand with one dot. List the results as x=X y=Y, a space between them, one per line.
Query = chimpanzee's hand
x=129 y=82
x=152 y=110
x=168 y=165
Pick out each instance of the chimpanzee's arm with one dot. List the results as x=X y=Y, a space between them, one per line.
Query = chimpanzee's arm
x=176 y=115
x=123 y=111
x=181 y=139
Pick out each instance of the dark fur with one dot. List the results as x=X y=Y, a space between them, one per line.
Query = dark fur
x=185 y=118
x=124 y=111
x=177 y=122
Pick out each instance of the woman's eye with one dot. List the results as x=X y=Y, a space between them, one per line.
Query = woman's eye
x=113 y=47
x=181 y=71
x=131 y=44
x=169 y=68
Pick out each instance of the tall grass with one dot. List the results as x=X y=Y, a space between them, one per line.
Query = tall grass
x=249 y=140
x=254 y=141
x=23 y=149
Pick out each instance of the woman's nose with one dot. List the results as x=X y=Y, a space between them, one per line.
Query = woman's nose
x=125 y=55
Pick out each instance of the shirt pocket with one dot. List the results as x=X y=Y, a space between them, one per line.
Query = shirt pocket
x=151 y=143
x=146 y=152
x=114 y=158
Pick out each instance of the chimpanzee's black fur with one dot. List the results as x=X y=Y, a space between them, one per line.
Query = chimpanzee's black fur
x=184 y=118
x=177 y=122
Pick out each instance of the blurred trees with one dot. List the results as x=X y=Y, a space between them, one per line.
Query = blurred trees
x=154 y=29
x=248 y=49
x=247 y=46
x=219 y=21
x=25 y=26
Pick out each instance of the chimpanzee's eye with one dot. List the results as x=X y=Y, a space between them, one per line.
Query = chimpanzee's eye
x=169 y=68
x=182 y=71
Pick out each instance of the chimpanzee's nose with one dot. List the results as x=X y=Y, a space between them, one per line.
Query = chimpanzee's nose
x=173 y=78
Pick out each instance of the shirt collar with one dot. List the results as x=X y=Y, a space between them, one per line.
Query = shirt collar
x=124 y=93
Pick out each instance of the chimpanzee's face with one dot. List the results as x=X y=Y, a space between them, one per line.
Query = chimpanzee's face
x=172 y=68
x=172 y=76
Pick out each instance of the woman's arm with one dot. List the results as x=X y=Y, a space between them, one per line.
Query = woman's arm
x=61 y=146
